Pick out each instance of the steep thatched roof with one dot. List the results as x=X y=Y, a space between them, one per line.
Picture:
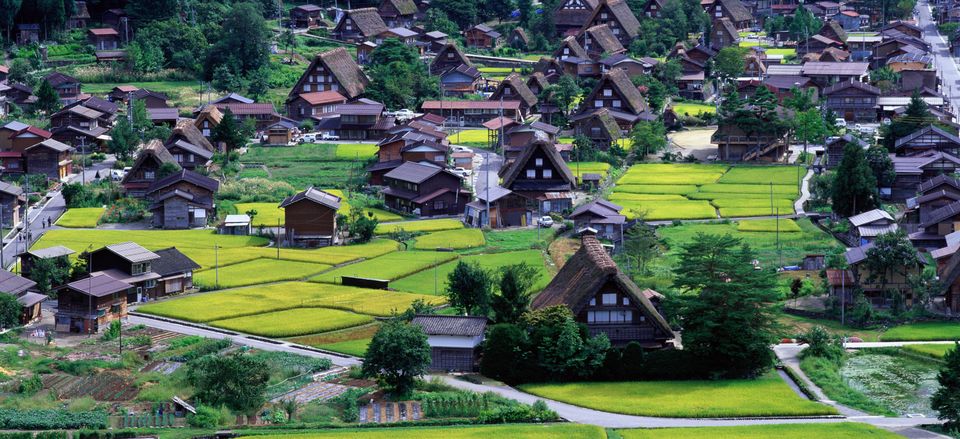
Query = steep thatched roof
x=563 y=171
x=367 y=20
x=339 y=62
x=520 y=89
x=187 y=130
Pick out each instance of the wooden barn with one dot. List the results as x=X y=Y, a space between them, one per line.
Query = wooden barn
x=310 y=218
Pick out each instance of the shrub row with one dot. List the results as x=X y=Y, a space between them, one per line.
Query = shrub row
x=14 y=419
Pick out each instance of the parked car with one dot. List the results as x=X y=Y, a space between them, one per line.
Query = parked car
x=463 y=172
x=404 y=113
x=327 y=136
x=308 y=138
x=840 y=122
x=461 y=149
x=545 y=221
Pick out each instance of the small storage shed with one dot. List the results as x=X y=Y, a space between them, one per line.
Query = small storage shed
x=454 y=340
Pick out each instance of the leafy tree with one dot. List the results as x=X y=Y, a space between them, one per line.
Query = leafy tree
x=729 y=309
x=881 y=165
x=229 y=132
x=652 y=89
x=917 y=116
x=362 y=226
x=808 y=126
x=48 y=273
x=525 y=7
x=144 y=57
x=19 y=71
x=504 y=353
x=946 y=400
x=731 y=105
x=924 y=286
x=167 y=169
x=892 y=254
x=559 y=347
x=565 y=92
x=729 y=63
x=289 y=42
x=48 y=101
x=152 y=10
x=821 y=343
x=884 y=78
x=237 y=381
x=800 y=99
x=501 y=8
x=648 y=137
x=514 y=298
x=437 y=20
x=640 y=247
x=181 y=44
x=123 y=140
x=461 y=12
x=854 y=185
x=399 y=79
x=469 y=288
x=764 y=104
x=397 y=355
x=141 y=119
x=804 y=24
x=9 y=311
x=259 y=83
x=8 y=14
x=243 y=42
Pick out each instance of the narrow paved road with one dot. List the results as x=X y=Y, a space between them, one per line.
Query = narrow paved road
x=939 y=46
x=34 y=227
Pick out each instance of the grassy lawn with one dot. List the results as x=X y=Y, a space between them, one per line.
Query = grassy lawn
x=432 y=225
x=357 y=348
x=319 y=165
x=844 y=430
x=453 y=239
x=518 y=239
x=196 y=244
x=268 y=214
x=356 y=151
x=390 y=266
x=259 y=299
x=477 y=137
x=516 y=431
x=795 y=325
x=771 y=225
x=765 y=396
x=257 y=271
x=930 y=350
x=675 y=189
x=666 y=210
x=81 y=217
x=183 y=94
x=782 y=51
x=693 y=108
x=778 y=175
x=334 y=255
x=434 y=281
x=929 y=331
x=794 y=246
x=292 y=322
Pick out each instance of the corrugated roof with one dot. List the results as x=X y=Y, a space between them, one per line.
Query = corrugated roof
x=874 y=231
x=869 y=217
x=457 y=326
x=315 y=195
x=12 y=284
x=99 y=285
x=51 y=252
x=172 y=261
x=414 y=172
x=835 y=68
x=132 y=252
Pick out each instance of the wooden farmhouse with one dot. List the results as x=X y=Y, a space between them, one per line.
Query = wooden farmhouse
x=13 y=202
x=931 y=195
x=941 y=222
x=514 y=88
x=602 y=216
x=867 y=226
x=912 y=171
x=359 y=25
x=129 y=263
x=534 y=184
x=310 y=218
x=24 y=290
x=175 y=270
x=144 y=170
x=605 y=299
x=836 y=146
x=189 y=148
x=617 y=15
x=853 y=100
x=868 y=282
x=424 y=190
x=50 y=158
x=929 y=138
x=306 y=16
x=183 y=200
x=571 y=15
x=616 y=94
x=67 y=87
x=59 y=254
x=333 y=70
x=599 y=42
x=87 y=306
x=482 y=36
x=398 y=13
x=454 y=341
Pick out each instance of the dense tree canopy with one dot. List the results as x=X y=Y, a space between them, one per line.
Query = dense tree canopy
x=237 y=381
x=854 y=185
x=397 y=355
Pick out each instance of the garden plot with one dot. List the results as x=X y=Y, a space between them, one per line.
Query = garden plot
x=247 y=301
x=318 y=391
x=293 y=322
x=765 y=396
x=770 y=225
x=105 y=386
x=434 y=281
x=739 y=191
x=453 y=239
x=840 y=430
x=352 y=341
x=82 y=217
x=257 y=271
x=309 y=164
x=390 y=266
x=431 y=225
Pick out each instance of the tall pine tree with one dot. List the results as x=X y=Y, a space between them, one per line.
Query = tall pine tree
x=854 y=187
x=946 y=401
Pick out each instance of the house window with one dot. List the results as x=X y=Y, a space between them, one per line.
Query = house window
x=609 y=298
x=149 y=175
x=547 y=173
x=539 y=162
x=598 y=104
x=595 y=131
x=593 y=301
x=616 y=104
x=531 y=173
x=439 y=158
x=439 y=205
x=150 y=283
x=306 y=87
x=449 y=55
x=607 y=92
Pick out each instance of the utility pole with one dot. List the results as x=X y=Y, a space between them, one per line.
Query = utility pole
x=216 y=266
x=83 y=160
x=278 y=238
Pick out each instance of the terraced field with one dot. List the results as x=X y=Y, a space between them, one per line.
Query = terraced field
x=668 y=191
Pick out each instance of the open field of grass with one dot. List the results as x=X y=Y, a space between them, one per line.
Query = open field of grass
x=764 y=396
x=454 y=239
x=431 y=225
x=666 y=210
x=796 y=325
x=782 y=51
x=197 y=244
x=771 y=225
x=518 y=239
x=351 y=341
x=628 y=197
x=259 y=299
x=186 y=94
x=930 y=350
x=692 y=108
x=739 y=191
x=356 y=151
x=390 y=266
x=292 y=322
x=843 y=430
x=257 y=271
x=333 y=255
x=310 y=164
x=477 y=137
x=930 y=331
x=81 y=217
x=794 y=245
x=515 y=431
x=434 y=281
